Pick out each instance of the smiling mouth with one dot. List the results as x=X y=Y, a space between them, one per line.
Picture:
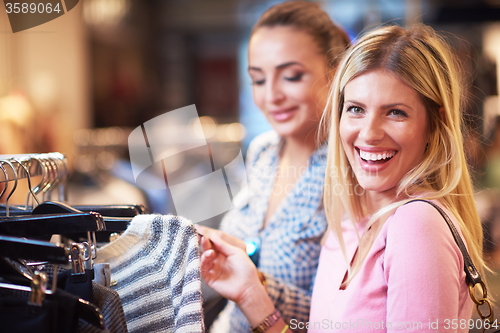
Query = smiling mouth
x=283 y=115
x=376 y=158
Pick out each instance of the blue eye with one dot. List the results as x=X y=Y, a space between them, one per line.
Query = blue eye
x=294 y=78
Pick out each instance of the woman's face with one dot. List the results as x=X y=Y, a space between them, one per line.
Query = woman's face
x=289 y=80
x=383 y=128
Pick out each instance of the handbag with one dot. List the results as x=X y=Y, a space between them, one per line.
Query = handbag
x=472 y=276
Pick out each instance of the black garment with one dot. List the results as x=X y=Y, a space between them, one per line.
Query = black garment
x=19 y=317
x=79 y=285
x=59 y=313
x=106 y=299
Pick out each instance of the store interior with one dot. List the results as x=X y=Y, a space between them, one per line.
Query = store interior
x=80 y=84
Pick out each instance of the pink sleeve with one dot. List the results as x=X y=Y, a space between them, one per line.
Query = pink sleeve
x=423 y=269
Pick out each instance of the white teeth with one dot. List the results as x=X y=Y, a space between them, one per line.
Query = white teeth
x=376 y=157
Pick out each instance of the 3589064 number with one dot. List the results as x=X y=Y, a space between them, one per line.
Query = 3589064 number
x=470 y=324
x=32 y=8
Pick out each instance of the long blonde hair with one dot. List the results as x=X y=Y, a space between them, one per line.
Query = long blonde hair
x=424 y=61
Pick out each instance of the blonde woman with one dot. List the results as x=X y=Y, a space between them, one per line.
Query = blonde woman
x=394 y=115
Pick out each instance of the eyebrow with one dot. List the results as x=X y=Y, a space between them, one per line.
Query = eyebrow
x=386 y=106
x=286 y=64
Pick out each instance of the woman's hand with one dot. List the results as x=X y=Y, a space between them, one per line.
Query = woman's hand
x=214 y=233
x=226 y=267
x=229 y=271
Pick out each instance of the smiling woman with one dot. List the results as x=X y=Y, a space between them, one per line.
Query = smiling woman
x=395 y=122
x=389 y=261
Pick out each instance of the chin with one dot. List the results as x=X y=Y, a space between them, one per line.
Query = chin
x=375 y=186
x=284 y=131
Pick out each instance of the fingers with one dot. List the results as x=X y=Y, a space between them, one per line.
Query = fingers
x=207 y=232
x=207 y=260
x=208 y=271
x=206 y=243
x=211 y=236
x=200 y=229
x=232 y=240
x=206 y=235
x=222 y=246
x=214 y=233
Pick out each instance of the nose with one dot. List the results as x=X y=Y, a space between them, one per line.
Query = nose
x=274 y=92
x=372 y=129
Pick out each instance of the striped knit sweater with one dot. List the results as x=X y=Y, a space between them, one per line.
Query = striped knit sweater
x=156 y=266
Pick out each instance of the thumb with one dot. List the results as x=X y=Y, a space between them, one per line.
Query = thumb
x=223 y=246
x=200 y=229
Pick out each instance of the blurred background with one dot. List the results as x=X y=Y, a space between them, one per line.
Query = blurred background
x=81 y=83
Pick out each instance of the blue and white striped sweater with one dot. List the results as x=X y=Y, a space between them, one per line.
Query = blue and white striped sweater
x=156 y=267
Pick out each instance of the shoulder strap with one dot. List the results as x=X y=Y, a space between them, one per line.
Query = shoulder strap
x=472 y=274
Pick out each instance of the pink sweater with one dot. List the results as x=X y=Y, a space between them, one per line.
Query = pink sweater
x=412 y=280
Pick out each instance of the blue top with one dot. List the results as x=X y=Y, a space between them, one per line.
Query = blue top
x=291 y=240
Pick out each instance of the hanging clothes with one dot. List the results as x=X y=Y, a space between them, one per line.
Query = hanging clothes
x=111 y=307
x=155 y=268
x=106 y=299
x=58 y=313
x=75 y=304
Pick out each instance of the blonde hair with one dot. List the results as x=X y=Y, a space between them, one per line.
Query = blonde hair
x=424 y=61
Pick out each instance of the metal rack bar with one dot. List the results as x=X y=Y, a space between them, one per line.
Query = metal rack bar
x=32 y=162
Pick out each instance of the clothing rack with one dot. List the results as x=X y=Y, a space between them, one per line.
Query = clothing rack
x=53 y=167
x=67 y=287
x=33 y=163
x=30 y=264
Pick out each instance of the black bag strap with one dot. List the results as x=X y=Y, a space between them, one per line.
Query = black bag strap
x=472 y=276
x=471 y=273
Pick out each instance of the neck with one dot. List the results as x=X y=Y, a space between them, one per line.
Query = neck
x=298 y=149
x=378 y=200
